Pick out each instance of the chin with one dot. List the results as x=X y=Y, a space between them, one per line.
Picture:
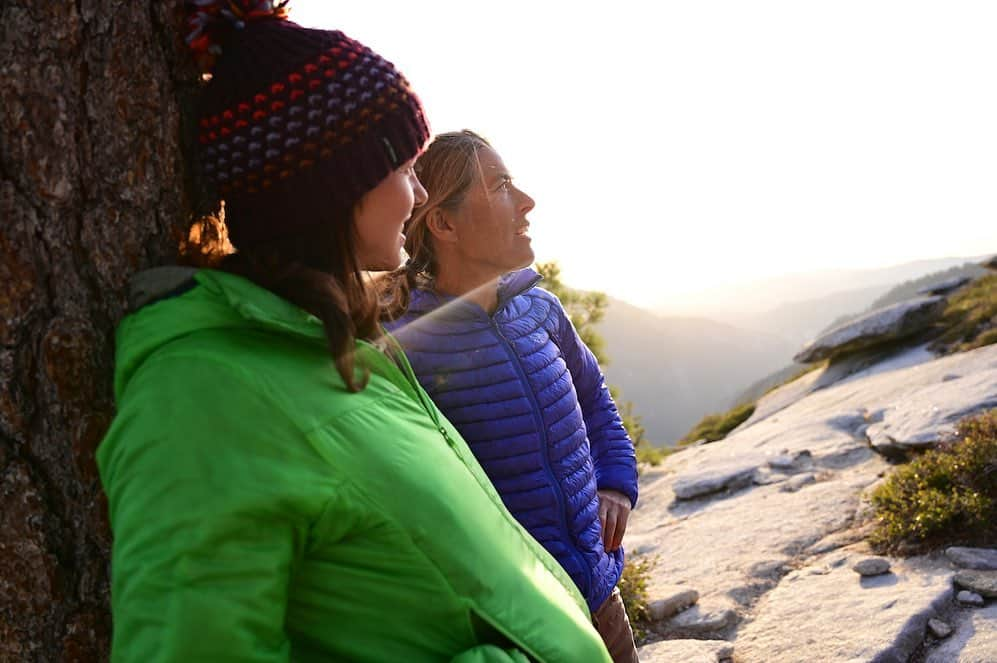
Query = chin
x=385 y=265
x=527 y=260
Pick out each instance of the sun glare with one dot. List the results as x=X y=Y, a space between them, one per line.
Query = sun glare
x=675 y=148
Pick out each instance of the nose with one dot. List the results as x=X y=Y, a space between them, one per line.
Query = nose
x=526 y=203
x=419 y=192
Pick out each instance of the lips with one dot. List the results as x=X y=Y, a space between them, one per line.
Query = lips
x=522 y=231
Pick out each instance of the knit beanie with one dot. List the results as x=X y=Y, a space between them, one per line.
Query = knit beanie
x=294 y=122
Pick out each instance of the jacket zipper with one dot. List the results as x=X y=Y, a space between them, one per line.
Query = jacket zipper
x=544 y=455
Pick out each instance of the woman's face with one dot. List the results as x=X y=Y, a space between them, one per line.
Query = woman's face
x=380 y=216
x=491 y=224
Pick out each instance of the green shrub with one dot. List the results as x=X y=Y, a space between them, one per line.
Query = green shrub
x=652 y=455
x=715 y=427
x=633 y=591
x=970 y=317
x=946 y=495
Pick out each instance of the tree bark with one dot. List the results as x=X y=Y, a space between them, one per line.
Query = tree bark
x=93 y=187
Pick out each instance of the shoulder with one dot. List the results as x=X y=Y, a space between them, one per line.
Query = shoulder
x=546 y=305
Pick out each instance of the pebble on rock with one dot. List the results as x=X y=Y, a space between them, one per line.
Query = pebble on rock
x=939 y=629
x=983 y=583
x=969 y=598
x=671 y=605
x=871 y=566
x=797 y=482
x=695 y=621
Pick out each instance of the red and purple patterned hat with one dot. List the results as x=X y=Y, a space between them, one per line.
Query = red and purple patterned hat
x=294 y=121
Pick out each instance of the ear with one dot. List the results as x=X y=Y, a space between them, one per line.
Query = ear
x=442 y=225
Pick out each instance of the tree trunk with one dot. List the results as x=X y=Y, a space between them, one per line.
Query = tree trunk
x=92 y=188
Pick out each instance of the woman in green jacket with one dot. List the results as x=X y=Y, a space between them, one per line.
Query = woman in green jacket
x=269 y=504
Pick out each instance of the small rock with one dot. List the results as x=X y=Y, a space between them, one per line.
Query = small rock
x=786 y=461
x=982 y=559
x=983 y=583
x=696 y=621
x=991 y=263
x=969 y=598
x=687 y=488
x=939 y=629
x=871 y=566
x=671 y=605
x=766 y=478
x=797 y=482
x=768 y=570
x=949 y=377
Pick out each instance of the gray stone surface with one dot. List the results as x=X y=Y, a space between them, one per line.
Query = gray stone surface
x=946 y=286
x=983 y=583
x=672 y=603
x=929 y=416
x=982 y=559
x=685 y=651
x=969 y=598
x=852 y=368
x=698 y=485
x=783 y=561
x=974 y=639
x=871 y=566
x=836 y=616
x=883 y=325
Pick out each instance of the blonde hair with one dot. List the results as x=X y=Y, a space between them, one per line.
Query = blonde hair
x=447 y=169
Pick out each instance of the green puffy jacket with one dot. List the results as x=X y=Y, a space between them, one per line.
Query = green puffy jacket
x=263 y=513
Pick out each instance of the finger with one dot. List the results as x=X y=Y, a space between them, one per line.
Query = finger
x=609 y=531
x=603 y=509
x=621 y=527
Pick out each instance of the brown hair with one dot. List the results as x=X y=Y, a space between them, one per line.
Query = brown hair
x=447 y=169
x=317 y=270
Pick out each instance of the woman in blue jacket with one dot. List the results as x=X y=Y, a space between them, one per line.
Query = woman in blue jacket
x=501 y=359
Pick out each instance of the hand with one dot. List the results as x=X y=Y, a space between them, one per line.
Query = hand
x=614 y=511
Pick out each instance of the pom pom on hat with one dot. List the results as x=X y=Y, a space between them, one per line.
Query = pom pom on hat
x=209 y=22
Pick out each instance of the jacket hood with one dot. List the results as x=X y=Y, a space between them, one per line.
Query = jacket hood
x=171 y=302
x=510 y=286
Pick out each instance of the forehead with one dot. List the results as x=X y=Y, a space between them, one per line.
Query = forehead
x=490 y=163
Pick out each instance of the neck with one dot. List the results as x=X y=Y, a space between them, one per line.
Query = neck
x=480 y=289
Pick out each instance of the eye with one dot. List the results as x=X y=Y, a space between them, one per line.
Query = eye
x=505 y=185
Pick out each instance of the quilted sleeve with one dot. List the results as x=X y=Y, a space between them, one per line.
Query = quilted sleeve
x=208 y=516
x=612 y=450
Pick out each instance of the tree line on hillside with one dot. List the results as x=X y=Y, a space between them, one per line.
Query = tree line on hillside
x=586 y=309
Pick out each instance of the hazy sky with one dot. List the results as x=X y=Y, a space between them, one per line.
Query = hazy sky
x=677 y=146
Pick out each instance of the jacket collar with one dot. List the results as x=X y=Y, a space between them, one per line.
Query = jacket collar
x=510 y=286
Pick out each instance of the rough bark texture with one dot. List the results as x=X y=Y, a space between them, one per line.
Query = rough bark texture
x=92 y=188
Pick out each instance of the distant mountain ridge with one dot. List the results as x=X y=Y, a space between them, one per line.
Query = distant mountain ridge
x=677 y=369
x=759 y=297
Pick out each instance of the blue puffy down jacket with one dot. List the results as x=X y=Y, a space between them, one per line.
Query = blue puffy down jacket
x=529 y=398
